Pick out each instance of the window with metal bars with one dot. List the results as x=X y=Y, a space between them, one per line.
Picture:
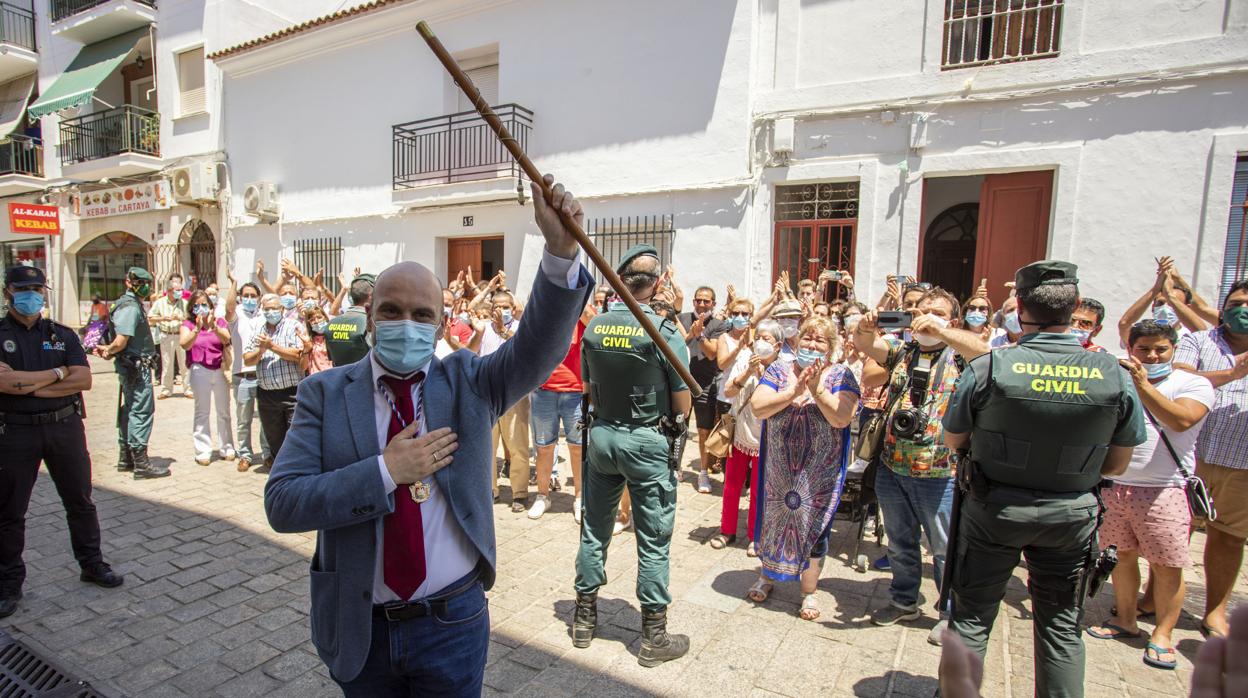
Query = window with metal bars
x=320 y=254
x=1235 y=264
x=979 y=32
x=817 y=201
x=614 y=236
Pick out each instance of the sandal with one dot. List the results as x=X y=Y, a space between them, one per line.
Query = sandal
x=1207 y=631
x=752 y=551
x=1146 y=616
x=760 y=591
x=721 y=541
x=810 y=607
x=1158 y=662
x=1109 y=631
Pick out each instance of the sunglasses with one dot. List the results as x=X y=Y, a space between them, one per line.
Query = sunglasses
x=919 y=286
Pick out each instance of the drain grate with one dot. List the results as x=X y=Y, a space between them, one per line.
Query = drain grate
x=25 y=674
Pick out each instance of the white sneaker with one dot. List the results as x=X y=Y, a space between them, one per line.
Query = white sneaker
x=539 y=507
x=937 y=635
x=576 y=511
x=229 y=454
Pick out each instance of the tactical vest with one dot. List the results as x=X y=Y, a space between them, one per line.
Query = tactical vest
x=344 y=338
x=628 y=376
x=1048 y=418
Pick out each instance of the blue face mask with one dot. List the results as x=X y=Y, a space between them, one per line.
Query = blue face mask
x=739 y=322
x=272 y=316
x=1084 y=336
x=1165 y=315
x=976 y=319
x=404 y=345
x=309 y=303
x=1158 y=371
x=507 y=317
x=28 y=302
x=202 y=309
x=250 y=304
x=320 y=327
x=806 y=357
x=1012 y=323
x=288 y=302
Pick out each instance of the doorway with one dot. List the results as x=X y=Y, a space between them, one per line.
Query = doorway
x=983 y=227
x=484 y=255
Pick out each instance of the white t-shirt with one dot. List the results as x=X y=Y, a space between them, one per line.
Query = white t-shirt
x=491 y=341
x=241 y=330
x=1151 y=462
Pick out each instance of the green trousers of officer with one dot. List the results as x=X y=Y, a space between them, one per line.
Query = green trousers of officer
x=635 y=456
x=1052 y=532
x=138 y=407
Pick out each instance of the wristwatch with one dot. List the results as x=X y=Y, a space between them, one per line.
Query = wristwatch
x=60 y=375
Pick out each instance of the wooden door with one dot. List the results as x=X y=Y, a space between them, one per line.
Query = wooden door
x=1013 y=226
x=461 y=254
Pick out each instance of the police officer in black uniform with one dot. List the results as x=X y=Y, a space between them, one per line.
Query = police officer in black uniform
x=42 y=376
x=1044 y=420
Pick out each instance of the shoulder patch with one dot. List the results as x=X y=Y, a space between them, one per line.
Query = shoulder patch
x=10 y=346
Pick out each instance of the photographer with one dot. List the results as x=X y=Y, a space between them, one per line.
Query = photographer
x=915 y=483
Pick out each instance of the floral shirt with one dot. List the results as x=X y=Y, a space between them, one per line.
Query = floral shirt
x=926 y=455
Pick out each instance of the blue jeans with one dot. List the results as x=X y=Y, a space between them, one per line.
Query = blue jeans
x=547 y=409
x=911 y=506
x=437 y=655
x=245 y=385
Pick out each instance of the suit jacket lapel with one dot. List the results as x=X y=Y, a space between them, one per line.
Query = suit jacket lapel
x=438 y=415
x=360 y=412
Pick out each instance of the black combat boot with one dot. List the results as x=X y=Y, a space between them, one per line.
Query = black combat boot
x=125 y=461
x=656 y=645
x=143 y=468
x=586 y=619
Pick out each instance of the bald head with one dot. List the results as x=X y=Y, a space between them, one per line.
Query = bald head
x=407 y=291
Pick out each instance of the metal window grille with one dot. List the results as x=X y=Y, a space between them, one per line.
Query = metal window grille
x=457 y=148
x=821 y=201
x=614 y=236
x=1235 y=266
x=25 y=674
x=979 y=32
x=316 y=254
x=806 y=248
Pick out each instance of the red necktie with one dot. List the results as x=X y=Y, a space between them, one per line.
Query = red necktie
x=403 y=567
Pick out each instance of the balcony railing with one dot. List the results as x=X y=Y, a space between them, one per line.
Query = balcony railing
x=64 y=9
x=457 y=148
x=21 y=155
x=17 y=26
x=125 y=129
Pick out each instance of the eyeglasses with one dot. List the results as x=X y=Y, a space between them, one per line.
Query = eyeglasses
x=919 y=286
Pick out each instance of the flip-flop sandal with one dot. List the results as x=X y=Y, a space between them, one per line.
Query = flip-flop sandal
x=809 y=604
x=1116 y=632
x=1146 y=616
x=1160 y=663
x=1208 y=632
x=761 y=589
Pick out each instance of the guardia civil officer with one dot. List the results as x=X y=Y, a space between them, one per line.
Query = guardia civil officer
x=1044 y=420
x=135 y=353
x=344 y=338
x=630 y=386
x=43 y=371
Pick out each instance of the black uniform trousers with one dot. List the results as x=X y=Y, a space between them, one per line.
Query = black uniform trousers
x=63 y=447
x=276 y=408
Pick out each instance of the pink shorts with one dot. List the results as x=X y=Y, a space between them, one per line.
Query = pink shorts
x=1150 y=520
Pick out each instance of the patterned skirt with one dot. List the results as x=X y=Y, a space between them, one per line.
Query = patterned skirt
x=802 y=466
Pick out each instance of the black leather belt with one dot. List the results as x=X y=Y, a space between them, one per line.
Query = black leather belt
x=396 y=611
x=39 y=417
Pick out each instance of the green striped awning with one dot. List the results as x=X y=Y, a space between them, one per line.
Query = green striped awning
x=93 y=64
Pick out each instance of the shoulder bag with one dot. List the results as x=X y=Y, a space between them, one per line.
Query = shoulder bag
x=1198 y=499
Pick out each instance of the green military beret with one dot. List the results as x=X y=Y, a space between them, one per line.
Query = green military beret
x=140 y=273
x=633 y=253
x=1045 y=273
x=370 y=278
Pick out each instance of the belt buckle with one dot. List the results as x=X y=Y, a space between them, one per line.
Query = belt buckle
x=392 y=610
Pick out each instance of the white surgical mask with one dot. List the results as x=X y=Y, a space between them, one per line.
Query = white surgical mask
x=789 y=326
x=927 y=341
x=764 y=349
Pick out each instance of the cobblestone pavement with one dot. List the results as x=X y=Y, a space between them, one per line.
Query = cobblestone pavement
x=215 y=603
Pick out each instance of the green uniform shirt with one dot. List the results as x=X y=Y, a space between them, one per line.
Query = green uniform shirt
x=345 y=337
x=630 y=380
x=128 y=318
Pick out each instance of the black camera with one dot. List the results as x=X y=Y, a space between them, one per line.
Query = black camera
x=911 y=422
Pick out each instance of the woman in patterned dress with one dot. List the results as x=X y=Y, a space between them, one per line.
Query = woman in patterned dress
x=807 y=404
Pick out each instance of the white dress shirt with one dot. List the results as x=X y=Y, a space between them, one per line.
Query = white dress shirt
x=449 y=554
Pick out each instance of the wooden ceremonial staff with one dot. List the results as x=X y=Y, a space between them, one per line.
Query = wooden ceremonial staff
x=531 y=171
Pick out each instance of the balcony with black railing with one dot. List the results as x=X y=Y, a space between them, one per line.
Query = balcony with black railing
x=17 y=26
x=64 y=9
x=89 y=21
x=457 y=148
x=21 y=155
x=124 y=130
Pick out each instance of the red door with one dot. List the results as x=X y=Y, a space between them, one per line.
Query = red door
x=806 y=248
x=1013 y=225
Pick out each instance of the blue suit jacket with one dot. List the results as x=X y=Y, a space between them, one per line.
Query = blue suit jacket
x=326 y=477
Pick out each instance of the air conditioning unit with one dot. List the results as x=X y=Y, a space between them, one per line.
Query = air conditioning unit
x=198 y=183
x=260 y=200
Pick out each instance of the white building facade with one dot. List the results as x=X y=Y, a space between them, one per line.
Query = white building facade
x=952 y=141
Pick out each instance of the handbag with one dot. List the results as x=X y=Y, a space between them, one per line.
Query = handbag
x=871 y=434
x=1199 y=502
x=720 y=440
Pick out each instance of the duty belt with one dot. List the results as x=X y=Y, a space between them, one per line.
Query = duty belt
x=38 y=417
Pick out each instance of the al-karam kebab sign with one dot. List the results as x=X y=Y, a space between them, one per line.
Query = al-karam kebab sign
x=136 y=198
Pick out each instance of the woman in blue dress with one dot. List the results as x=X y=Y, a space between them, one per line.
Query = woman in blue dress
x=807 y=404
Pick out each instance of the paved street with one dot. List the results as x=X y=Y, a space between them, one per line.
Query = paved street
x=215 y=603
